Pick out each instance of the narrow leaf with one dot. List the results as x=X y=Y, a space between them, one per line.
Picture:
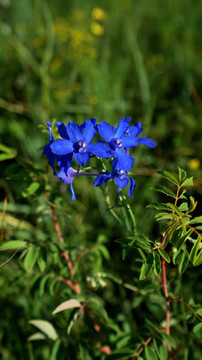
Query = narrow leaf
x=13 y=245
x=197 y=330
x=168 y=176
x=46 y=327
x=161 y=349
x=163 y=189
x=184 y=262
x=177 y=256
x=188 y=182
x=198 y=260
x=194 y=250
x=157 y=263
x=182 y=174
x=119 y=354
x=69 y=304
x=37 y=336
x=169 y=339
x=55 y=350
x=196 y=220
x=146 y=267
x=182 y=239
x=30 y=258
x=150 y=354
x=164 y=254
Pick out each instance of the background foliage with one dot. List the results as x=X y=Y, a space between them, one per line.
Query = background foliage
x=70 y=60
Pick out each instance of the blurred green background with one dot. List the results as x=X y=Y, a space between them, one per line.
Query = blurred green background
x=73 y=60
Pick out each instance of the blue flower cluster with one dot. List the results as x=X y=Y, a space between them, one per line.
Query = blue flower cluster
x=76 y=141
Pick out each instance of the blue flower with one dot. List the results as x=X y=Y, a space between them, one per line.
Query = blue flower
x=78 y=142
x=120 y=176
x=118 y=142
x=67 y=176
x=134 y=131
x=47 y=149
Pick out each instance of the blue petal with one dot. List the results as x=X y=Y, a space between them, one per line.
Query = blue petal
x=67 y=175
x=74 y=132
x=146 y=141
x=121 y=183
x=50 y=156
x=82 y=158
x=122 y=127
x=131 y=187
x=65 y=161
x=128 y=142
x=100 y=180
x=105 y=131
x=62 y=130
x=89 y=131
x=73 y=196
x=62 y=147
x=124 y=161
x=101 y=150
x=135 y=130
x=50 y=132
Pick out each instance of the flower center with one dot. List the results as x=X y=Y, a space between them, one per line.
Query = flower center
x=115 y=143
x=81 y=146
x=121 y=174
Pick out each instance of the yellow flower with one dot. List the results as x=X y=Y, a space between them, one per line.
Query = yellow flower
x=194 y=164
x=98 y=14
x=96 y=28
x=55 y=65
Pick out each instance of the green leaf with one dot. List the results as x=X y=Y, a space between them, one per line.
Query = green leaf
x=156 y=263
x=42 y=284
x=42 y=259
x=46 y=327
x=159 y=206
x=149 y=353
x=30 y=258
x=13 y=245
x=169 y=339
x=31 y=189
x=68 y=304
x=164 y=254
x=119 y=354
x=194 y=250
x=197 y=330
x=182 y=239
x=7 y=153
x=37 y=336
x=182 y=174
x=188 y=182
x=184 y=262
x=198 y=260
x=196 y=220
x=161 y=349
x=163 y=189
x=169 y=177
x=183 y=207
x=55 y=350
x=146 y=267
x=182 y=196
x=177 y=256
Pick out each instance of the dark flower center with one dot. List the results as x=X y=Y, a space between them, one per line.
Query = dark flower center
x=80 y=146
x=115 y=143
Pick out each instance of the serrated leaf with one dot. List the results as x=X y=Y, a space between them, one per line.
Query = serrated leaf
x=55 y=350
x=13 y=245
x=149 y=353
x=69 y=304
x=182 y=174
x=169 y=177
x=194 y=250
x=30 y=258
x=146 y=267
x=169 y=339
x=156 y=263
x=188 y=182
x=161 y=349
x=164 y=254
x=163 y=189
x=46 y=327
x=37 y=336
x=184 y=262
x=198 y=260
x=197 y=330
x=180 y=242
